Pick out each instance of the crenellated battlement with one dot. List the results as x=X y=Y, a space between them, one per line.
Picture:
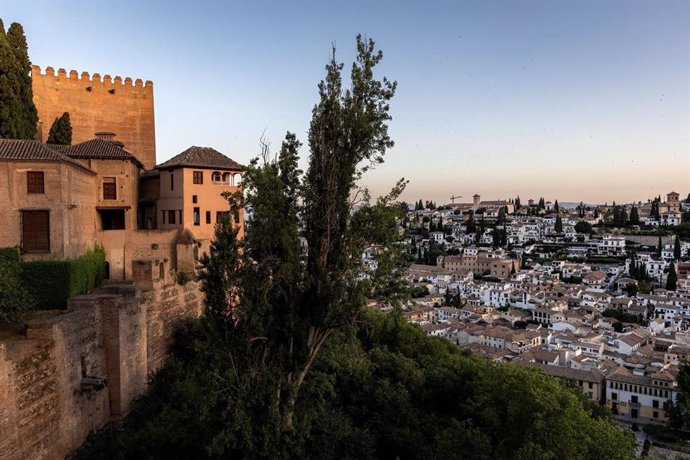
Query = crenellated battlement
x=86 y=78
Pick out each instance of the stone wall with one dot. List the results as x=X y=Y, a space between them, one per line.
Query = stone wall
x=74 y=371
x=124 y=107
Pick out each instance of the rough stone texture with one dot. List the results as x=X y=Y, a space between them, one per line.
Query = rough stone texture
x=95 y=105
x=117 y=333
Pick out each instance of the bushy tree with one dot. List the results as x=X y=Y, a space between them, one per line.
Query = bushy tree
x=583 y=227
x=61 y=131
x=18 y=115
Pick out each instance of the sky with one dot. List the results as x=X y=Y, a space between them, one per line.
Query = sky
x=569 y=100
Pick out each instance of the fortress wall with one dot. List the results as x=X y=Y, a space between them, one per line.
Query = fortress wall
x=96 y=104
x=117 y=333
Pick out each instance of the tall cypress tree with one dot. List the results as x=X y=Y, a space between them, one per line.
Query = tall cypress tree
x=61 y=131
x=28 y=116
x=10 y=105
x=558 y=227
x=634 y=216
x=676 y=248
x=672 y=278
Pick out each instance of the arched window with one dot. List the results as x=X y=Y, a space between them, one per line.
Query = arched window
x=227 y=178
x=215 y=176
x=237 y=179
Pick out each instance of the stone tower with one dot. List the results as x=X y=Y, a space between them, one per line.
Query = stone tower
x=123 y=107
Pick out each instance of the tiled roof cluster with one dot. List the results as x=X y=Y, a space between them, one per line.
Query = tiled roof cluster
x=100 y=149
x=200 y=157
x=31 y=150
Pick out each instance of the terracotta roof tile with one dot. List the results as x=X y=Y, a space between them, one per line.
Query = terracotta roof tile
x=30 y=150
x=100 y=149
x=200 y=157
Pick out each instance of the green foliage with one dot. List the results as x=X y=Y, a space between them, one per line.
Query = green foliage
x=61 y=131
x=622 y=316
x=419 y=291
x=634 y=216
x=183 y=278
x=558 y=227
x=52 y=282
x=679 y=412
x=672 y=278
x=14 y=297
x=18 y=115
x=583 y=227
x=386 y=391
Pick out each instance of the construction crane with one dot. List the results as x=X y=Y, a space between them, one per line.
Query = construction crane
x=452 y=198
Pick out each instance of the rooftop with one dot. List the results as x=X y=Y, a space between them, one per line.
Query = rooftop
x=200 y=157
x=31 y=150
x=98 y=149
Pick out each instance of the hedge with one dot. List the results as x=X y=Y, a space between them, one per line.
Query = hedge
x=52 y=282
x=14 y=297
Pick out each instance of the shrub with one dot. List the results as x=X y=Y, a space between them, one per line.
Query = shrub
x=55 y=281
x=183 y=278
x=14 y=298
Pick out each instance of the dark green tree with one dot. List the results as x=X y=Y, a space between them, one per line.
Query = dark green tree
x=583 y=227
x=14 y=297
x=634 y=216
x=18 y=115
x=659 y=247
x=676 y=248
x=286 y=302
x=61 y=131
x=517 y=203
x=556 y=208
x=470 y=224
x=679 y=412
x=558 y=227
x=672 y=278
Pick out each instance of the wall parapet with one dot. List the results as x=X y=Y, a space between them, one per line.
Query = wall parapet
x=85 y=77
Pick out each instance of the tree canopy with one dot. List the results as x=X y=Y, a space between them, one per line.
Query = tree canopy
x=18 y=115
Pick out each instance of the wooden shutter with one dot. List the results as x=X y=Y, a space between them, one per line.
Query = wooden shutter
x=35 y=231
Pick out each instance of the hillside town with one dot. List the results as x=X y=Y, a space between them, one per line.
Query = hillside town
x=536 y=286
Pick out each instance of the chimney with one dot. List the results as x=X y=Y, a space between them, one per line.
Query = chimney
x=110 y=137
x=105 y=136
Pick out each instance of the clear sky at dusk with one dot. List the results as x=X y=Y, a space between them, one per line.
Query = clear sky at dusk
x=577 y=100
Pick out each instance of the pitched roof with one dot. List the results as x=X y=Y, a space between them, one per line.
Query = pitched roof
x=200 y=157
x=30 y=150
x=100 y=149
